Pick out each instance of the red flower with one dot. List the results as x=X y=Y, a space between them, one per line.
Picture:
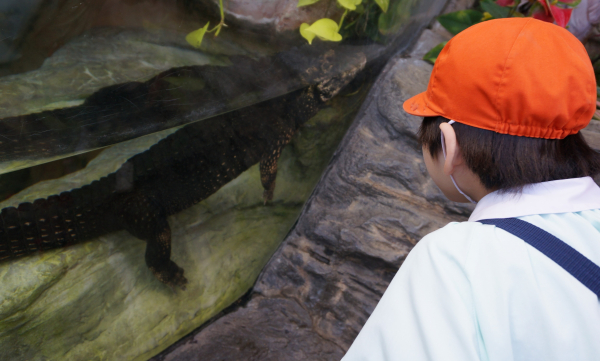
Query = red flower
x=507 y=2
x=553 y=14
x=561 y=16
x=540 y=14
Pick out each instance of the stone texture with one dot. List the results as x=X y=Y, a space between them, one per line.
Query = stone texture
x=99 y=301
x=278 y=15
x=591 y=133
x=287 y=334
x=427 y=41
x=16 y=15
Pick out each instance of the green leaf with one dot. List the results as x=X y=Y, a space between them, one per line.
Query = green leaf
x=397 y=16
x=195 y=37
x=302 y=3
x=349 y=4
x=497 y=11
x=432 y=54
x=308 y=35
x=383 y=4
x=460 y=20
x=486 y=16
x=324 y=29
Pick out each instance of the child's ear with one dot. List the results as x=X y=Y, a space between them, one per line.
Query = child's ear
x=453 y=155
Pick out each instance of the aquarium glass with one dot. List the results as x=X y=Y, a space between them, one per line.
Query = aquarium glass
x=155 y=153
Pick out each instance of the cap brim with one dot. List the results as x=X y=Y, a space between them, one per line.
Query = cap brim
x=417 y=105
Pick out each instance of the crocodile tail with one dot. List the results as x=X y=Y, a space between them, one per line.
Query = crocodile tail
x=57 y=221
x=39 y=226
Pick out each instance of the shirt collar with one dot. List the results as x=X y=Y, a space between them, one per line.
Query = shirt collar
x=559 y=196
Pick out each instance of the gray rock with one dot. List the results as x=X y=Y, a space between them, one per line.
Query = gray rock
x=287 y=334
x=591 y=133
x=427 y=41
x=14 y=18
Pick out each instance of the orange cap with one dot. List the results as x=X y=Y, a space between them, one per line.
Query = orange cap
x=517 y=76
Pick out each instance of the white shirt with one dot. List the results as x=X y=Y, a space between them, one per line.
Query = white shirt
x=471 y=291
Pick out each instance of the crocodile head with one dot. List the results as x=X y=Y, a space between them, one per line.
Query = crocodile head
x=329 y=88
x=334 y=70
x=328 y=69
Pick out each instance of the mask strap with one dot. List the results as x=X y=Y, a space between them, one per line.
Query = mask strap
x=451 y=177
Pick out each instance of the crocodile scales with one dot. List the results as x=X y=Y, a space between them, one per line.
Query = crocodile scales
x=177 y=172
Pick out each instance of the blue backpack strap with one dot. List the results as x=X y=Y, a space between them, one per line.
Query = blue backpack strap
x=586 y=271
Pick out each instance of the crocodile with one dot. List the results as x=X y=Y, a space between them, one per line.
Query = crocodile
x=172 y=98
x=175 y=173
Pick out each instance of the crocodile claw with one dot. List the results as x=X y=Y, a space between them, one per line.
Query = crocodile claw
x=267 y=196
x=171 y=275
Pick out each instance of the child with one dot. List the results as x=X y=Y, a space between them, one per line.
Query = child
x=502 y=110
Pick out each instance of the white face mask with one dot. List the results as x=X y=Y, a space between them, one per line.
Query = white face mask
x=451 y=177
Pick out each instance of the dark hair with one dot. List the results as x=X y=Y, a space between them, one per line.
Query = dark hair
x=509 y=162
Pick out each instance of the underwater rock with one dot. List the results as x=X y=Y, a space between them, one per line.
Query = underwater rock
x=98 y=300
x=99 y=58
x=14 y=18
x=34 y=29
x=93 y=61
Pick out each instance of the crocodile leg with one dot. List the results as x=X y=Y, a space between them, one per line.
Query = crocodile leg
x=268 y=173
x=268 y=166
x=145 y=219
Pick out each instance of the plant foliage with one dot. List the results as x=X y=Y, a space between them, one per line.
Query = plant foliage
x=359 y=14
x=554 y=11
x=195 y=37
x=432 y=54
x=325 y=29
x=460 y=20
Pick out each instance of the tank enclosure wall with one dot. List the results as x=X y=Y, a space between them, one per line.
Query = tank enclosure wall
x=146 y=182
